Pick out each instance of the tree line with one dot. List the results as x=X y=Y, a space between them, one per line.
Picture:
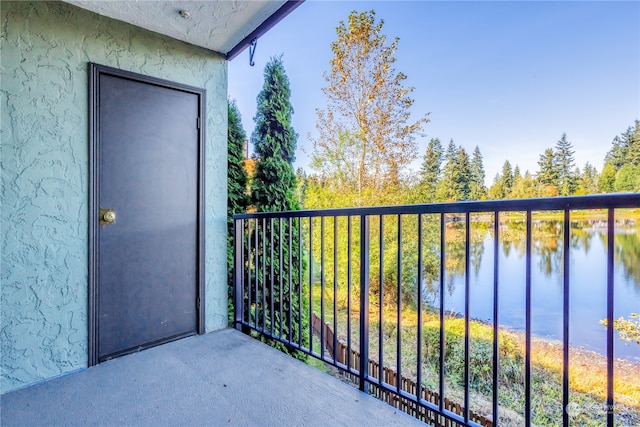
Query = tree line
x=453 y=175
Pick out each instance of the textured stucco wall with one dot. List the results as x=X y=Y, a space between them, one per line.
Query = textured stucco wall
x=46 y=48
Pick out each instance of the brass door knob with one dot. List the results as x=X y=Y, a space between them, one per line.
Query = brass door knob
x=107 y=216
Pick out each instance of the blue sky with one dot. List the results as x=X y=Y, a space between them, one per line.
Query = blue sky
x=507 y=76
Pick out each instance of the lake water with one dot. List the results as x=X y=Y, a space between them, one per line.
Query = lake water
x=588 y=295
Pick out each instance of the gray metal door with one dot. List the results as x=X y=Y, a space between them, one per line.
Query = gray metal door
x=148 y=212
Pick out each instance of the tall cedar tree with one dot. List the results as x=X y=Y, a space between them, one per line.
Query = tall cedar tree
x=507 y=178
x=237 y=180
x=365 y=129
x=626 y=148
x=588 y=180
x=625 y=154
x=607 y=178
x=463 y=175
x=455 y=183
x=548 y=174
x=565 y=165
x=430 y=171
x=502 y=183
x=478 y=189
x=446 y=184
x=273 y=188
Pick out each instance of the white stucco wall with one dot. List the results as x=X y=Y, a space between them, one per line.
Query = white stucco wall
x=46 y=48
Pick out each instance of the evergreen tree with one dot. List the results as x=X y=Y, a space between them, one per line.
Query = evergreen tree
x=548 y=173
x=523 y=186
x=273 y=188
x=622 y=162
x=237 y=179
x=616 y=155
x=462 y=175
x=238 y=198
x=447 y=182
x=627 y=179
x=516 y=185
x=274 y=184
x=565 y=163
x=607 y=178
x=496 y=191
x=456 y=176
x=430 y=171
x=478 y=189
x=507 y=179
x=633 y=136
x=626 y=148
x=516 y=173
x=588 y=181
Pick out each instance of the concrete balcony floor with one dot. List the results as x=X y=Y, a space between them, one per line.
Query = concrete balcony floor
x=221 y=378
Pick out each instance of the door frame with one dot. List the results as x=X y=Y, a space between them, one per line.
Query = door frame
x=95 y=71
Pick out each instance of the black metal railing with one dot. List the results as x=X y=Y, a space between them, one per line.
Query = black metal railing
x=284 y=274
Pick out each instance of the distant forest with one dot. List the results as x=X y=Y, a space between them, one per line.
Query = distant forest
x=451 y=174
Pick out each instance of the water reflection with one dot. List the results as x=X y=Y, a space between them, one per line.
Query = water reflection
x=627 y=254
x=588 y=264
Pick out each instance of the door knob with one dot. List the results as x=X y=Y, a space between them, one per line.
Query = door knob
x=107 y=216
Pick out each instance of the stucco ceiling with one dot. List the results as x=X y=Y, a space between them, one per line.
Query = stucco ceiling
x=218 y=25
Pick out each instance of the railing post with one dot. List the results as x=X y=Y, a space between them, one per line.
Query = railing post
x=238 y=272
x=364 y=302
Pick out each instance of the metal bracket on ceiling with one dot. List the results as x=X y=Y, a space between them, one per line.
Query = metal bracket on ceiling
x=252 y=51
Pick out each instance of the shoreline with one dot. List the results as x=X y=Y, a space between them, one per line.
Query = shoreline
x=587 y=368
x=551 y=341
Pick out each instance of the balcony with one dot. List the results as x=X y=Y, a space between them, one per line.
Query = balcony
x=367 y=292
x=221 y=378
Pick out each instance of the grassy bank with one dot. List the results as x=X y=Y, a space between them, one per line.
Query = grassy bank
x=587 y=369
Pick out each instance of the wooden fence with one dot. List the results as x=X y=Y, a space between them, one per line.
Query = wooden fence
x=391 y=378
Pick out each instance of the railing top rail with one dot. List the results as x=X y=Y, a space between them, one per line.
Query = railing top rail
x=600 y=201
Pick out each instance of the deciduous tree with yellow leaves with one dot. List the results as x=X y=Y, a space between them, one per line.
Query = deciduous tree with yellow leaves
x=365 y=133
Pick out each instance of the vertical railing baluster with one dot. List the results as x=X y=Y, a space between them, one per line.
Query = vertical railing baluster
x=238 y=272
x=300 y=278
x=249 y=282
x=310 y=284
x=280 y=273
x=419 y=339
x=527 y=359
x=496 y=324
x=399 y=307
x=335 y=288
x=442 y=343
x=243 y=260
x=381 y=308
x=272 y=316
x=264 y=274
x=565 y=317
x=256 y=263
x=349 y=294
x=467 y=332
x=364 y=303
x=322 y=286
x=610 y=350
x=289 y=276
